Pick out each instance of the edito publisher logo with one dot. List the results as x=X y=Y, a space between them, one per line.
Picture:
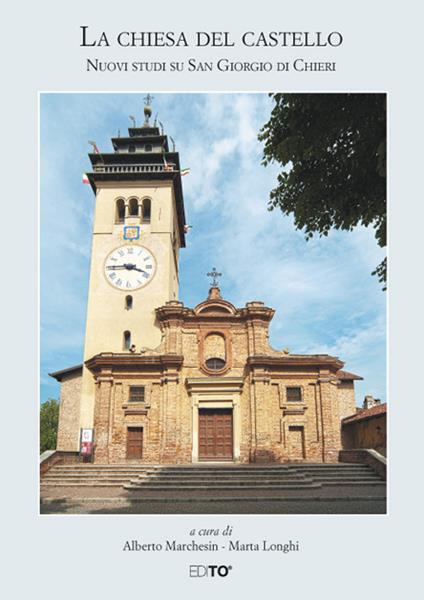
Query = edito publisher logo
x=209 y=570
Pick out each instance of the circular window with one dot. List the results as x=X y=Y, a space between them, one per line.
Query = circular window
x=215 y=364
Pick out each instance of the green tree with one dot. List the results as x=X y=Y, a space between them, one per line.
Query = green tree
x=333 y=150
x=49 y=419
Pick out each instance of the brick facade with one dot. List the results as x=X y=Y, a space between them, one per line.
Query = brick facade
x=285 y=407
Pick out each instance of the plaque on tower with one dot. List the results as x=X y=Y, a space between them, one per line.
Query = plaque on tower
x=131 y=232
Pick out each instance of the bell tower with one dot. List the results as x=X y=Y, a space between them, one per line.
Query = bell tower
x=138 y=230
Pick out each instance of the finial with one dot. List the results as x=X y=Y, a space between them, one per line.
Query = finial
x=173 y=143
x=156 y=120
x=119 y=133
x=214 y=274
x=133 y=120
x=147 y=109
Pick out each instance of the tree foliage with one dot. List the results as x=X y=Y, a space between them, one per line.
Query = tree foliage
x=333 y=150
x=49 y=419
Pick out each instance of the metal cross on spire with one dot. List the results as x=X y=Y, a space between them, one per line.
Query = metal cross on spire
x=148 y=99
x=214 y=274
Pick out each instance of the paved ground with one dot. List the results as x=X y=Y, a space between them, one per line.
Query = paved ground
x=103 y=506
x=115 y=500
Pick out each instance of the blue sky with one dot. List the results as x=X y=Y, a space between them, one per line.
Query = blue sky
x=325 y=299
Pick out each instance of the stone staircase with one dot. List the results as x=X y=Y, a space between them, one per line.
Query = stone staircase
x=211 y=478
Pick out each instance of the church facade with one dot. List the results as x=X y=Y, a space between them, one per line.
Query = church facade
x=163 y=383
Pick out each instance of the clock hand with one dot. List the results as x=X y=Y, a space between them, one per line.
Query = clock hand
x=127 y=266
x=132 y=267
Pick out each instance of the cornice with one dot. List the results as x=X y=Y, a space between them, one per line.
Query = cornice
x=295 y=361
x=129 y=362
x=210 y=384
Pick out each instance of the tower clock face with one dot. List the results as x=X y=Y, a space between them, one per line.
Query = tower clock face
x=129 y=267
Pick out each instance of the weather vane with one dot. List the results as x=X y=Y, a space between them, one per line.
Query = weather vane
x=214 y=274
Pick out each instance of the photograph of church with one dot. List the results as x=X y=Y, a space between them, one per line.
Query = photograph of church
x=163 y=383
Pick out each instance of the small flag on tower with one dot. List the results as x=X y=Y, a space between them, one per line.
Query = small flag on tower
x=184 y=172
x=187 y=228
x=85 y=178
x=166 y=166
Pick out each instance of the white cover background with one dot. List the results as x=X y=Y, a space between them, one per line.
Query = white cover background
x=342 y=556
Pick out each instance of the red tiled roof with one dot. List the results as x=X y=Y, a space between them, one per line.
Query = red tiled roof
x=366 y=413
x=346 y=376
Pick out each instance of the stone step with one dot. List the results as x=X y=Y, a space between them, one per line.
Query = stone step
x=213 y=477
x=216 y=487
x=351 y=467
x=82 y=478
x=315 y=485
x=210 y=467
x=209 y=476
x=180 y=484
x=214 y=472
x=95 y=473
x=170 y=477
x=284 y=476
x=354 y=482
x=233 y=481
x=249 y=481
x=85 y=483
x=219 y=483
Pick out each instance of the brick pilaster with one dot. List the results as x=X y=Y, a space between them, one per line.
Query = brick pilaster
x=102 y=418
x=331 y=426
x=170 y=425
x=261 y=438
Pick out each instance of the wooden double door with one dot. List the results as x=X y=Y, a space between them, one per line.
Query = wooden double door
x=215 y=434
